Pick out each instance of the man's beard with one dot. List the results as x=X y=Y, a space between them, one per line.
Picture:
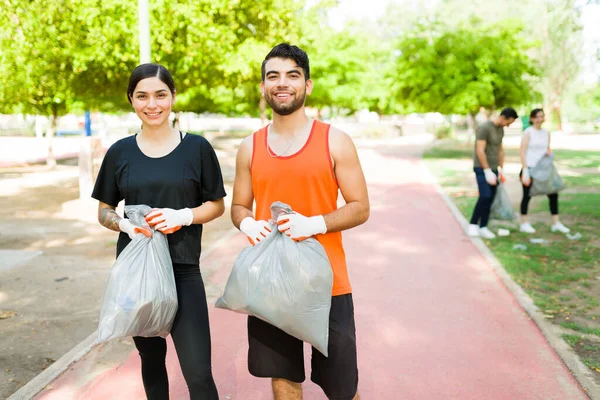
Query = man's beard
x=283 y=108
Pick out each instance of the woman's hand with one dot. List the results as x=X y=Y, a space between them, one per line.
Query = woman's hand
x=167 y=220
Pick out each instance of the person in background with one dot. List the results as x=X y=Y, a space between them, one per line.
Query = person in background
x=488 y=161
x=535 y=144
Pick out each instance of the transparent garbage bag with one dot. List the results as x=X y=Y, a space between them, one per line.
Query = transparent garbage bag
x=140 y=298
x=285 y=283
x=546 y=179
x=501 y=206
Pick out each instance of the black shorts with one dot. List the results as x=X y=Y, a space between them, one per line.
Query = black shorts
x=275 y=354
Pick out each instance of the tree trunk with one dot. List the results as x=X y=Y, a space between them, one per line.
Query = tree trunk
x=176 y=120
x=473 y=125
x=50 y=160
x=556 y=115
x=319 y=114
x=263 y=111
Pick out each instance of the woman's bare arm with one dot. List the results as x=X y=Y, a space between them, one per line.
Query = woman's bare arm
x=108 y=217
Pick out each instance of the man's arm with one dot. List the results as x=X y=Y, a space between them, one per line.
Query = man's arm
x=480 y=150
x=352 y=184
x=243 y=196
x=501 y=156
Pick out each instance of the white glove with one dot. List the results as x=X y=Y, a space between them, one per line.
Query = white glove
x=490 y=177
x=254 y=230
x=298 y=227
x=501 y=175
x=131 y=230
x=168 y=220
x=525 y=177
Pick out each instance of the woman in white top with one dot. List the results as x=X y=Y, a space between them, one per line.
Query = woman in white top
x=535 y=144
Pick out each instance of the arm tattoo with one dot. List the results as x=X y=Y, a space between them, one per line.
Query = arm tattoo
x=109 y=218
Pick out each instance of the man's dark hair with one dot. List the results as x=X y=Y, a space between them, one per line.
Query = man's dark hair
x=285 y=51
x=509 y=113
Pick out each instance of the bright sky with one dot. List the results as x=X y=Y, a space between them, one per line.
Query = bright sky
x=357 y=9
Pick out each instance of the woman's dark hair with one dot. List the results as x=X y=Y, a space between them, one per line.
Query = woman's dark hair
x=149 y=70
x=535 y=112
x=285 y=51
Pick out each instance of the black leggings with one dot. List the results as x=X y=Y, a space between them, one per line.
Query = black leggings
x=191 y=336
x=552 y=198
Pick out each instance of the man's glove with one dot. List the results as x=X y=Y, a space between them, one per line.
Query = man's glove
x=501 y=175
x=168 y=220
x=254 y=230
x=490 y=177
x=131 y=230
x=525 y=177
x=298 y=227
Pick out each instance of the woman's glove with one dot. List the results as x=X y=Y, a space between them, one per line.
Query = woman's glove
x=167 y=220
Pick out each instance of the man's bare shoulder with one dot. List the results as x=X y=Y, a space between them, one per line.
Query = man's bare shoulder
x=339 y=141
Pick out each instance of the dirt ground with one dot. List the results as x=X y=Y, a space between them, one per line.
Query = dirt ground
x=54 y=256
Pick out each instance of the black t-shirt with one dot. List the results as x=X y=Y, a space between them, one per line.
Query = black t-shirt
x=187 y=177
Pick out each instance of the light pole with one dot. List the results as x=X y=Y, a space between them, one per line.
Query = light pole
x=144 y=25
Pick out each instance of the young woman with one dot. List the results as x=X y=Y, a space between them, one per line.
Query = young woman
x=535 y=144
x=179 y=176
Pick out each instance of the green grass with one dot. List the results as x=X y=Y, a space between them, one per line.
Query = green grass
x=572 y=340
x=578 y=159
x=448 y=153
x=585 y=205
x=578 y=328
x=589 y=180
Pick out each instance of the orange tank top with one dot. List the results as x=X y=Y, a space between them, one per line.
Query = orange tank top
x=306 y=182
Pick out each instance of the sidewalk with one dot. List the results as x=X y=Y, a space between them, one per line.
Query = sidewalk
x=434 y=321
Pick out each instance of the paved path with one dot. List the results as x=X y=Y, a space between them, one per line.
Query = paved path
x=433 y=319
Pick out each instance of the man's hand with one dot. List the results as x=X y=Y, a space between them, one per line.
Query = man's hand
x=501 y=175
x=525 y=177
x=131 y=230
x=490 y=177
x=168 y=220
x=254 y=230
x=298 y=227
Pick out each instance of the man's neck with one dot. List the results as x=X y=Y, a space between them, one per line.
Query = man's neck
x=496 y=121
x=289 y=125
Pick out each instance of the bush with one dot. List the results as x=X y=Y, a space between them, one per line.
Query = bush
x=443 y=132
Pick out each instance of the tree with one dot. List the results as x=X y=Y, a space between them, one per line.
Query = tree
x=554 y=23
x=54 y=59
x=343 y=64
x=214 y=49
x=560 y=53
x=458 y=71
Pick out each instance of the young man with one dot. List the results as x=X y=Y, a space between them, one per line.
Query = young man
x=302 y=163
x=488 y=160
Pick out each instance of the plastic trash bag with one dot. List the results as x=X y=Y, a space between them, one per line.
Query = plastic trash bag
x=140 y=298
x=546 y=179
x=501 y=206
x=285 y=283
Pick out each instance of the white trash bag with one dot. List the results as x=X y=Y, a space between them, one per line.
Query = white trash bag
x=140 y=298
x=546 y=179
x=501 y=206
x=285 y=283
